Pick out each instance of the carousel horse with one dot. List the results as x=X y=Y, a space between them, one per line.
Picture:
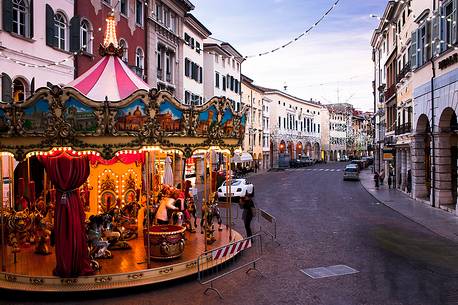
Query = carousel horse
x=191 y=211
x=98 y=247
x=20 y=229
x=114 y=233
x=209 y=211
x=129 y=220
x=43 y=227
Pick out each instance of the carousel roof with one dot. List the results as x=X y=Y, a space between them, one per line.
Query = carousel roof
x=110 y=77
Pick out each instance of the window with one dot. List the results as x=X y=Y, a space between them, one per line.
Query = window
x=168 y=71
x=21 y=21
x=139 y=12
x=159 y=11
x=216 y=79
x=139 y=57
x=449 y=10
x=60 y=31
x=173 y=22
x=167 y=18
x=279 y=122
x=236 y=86
x=187 y=38
x=123 y=6
x=197 y=47
x=216 y=58
x=19 y=90
x=224 y=83
x=85 y=36
x=123 y=45
x=187 y=97
x=187 y=70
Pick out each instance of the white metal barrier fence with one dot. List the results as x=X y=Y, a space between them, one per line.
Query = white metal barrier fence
x=219 y=262
x=267 y=224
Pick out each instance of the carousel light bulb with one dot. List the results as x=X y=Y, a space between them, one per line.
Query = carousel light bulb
x=110 y=34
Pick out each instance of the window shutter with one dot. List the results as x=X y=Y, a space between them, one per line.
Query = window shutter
x=428 y=41
x=200 y=75
x=436 y=34
x=186 y=67
x=7 y=15
x=32 y=86
x=75 y=30
x=7 y=83
x=413 y=50
x=454 y=27
x=50 y=39
x=31 y=18
x=442 y=46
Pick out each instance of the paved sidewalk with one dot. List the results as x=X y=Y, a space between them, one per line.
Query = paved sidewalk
x=439 y=221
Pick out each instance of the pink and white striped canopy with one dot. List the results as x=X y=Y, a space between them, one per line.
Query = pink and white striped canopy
x=111 y=78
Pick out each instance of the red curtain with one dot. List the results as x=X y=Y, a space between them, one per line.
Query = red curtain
x=68 y=173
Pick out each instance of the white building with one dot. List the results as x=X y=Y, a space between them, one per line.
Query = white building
x=222 y=70
x=266 y=147
x=35 y=46
x=193 y=60
x=295 y=127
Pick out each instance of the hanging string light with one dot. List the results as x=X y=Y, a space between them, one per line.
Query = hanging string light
x=299 y=36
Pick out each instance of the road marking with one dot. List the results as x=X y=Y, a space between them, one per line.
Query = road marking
x=326 y=170
x=322 y=272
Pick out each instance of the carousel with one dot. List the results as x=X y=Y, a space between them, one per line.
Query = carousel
x=95 y=186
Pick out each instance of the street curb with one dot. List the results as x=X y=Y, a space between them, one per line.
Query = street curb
x=407 y=217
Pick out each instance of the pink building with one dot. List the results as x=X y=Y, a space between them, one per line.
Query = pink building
x=35 y=48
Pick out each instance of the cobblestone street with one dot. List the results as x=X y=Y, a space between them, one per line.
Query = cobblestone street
x=322 y=221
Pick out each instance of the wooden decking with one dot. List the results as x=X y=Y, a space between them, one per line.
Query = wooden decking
x=30 y=264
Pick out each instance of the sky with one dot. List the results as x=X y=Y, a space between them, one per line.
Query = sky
x=331 y=64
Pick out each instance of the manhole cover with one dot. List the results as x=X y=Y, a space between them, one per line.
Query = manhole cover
x=322 y=272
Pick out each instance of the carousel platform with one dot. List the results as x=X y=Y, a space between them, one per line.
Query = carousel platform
x=127 y=268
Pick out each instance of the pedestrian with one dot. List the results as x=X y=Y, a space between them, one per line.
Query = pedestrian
x=247 y=204
x=382 y=176
x=376 y=178
x=390 y=180
x=409 y=181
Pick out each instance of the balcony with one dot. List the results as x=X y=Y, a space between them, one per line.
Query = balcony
x=160 y=75
x=404 y=128
x=390 y=92
x=403 y=72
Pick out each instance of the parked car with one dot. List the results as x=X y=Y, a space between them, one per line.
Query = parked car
x=351 y=172
x=343 y=159
x=238 y=188
x=360 y=163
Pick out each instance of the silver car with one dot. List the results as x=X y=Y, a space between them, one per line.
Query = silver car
x=351 y=172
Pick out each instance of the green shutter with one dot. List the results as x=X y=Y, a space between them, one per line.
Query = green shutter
x=50 y=39
x=31 y=19
x=7 y=15
x=7 y=91
x=75 y=30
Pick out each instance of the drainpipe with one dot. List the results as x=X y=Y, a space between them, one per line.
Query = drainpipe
x=145 y=30
x=433 y=155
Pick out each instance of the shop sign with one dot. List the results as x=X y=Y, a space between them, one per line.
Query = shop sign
x=388 y=155
x=451 y=60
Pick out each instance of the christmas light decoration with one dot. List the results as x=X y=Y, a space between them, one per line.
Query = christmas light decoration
x=110 y=34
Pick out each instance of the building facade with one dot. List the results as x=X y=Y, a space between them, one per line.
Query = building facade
x=425 y=141
x=222 y=70
x=193 y=79
x=252 y=100
x=340 y=130
x=295 y=127
x=35 y=48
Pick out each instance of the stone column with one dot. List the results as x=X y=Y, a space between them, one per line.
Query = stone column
x=443 y=171
x=403 y=178
x=418 y=167
x=275 y=153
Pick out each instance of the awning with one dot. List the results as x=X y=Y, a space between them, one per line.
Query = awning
x=243 y=157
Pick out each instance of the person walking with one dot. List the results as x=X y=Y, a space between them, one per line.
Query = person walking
x=376 y=178
x=247 y=204
x=390 y=180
